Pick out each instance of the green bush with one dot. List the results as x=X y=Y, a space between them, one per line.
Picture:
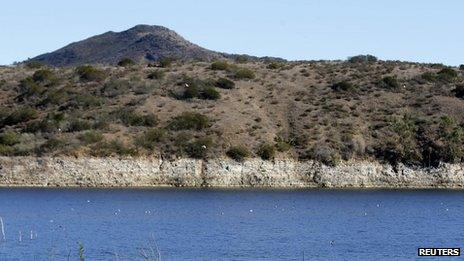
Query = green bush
x=112 y=148
x=34 y=64
x=390 y=82
x=20 y=115
x=44 y=76
x=266 y=152
x=125 y=62
x=238 y=153
x=275 y=65
x=150 y=138
x=115 y=87
x=344 y=86
x=77 y=125
x=131 y=118
x=52 y=145
x=90 y=137
x=156 y=75
x=362 y=58
x=447 y=74
x=89 y=73
x=244 y=73
x=242 y=58
x=282 y=146
x=28 y=87
x=56 y=97
x=166 y=62
x=189 y=121
x=461 y=67
x=429 y=76
x=46 y=125
x=9 y=138
x=459 y=91
x=225 y=83
x=5 y=150
x=200 y=147
x=196 y=88
x=209 y=93
x=220 y=66
x=88 y=100
x=323 y=154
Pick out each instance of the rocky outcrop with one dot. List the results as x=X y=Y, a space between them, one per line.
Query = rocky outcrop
x=149 y=172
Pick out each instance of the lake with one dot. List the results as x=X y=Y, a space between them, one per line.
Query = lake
x=208 y=224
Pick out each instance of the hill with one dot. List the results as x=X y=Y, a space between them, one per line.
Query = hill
x=142 y=43
x=320 y=110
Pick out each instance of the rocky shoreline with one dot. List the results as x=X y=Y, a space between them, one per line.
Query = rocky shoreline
x=221 y=172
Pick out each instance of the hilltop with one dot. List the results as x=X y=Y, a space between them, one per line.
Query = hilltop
x=142 y=43
x=360 y=109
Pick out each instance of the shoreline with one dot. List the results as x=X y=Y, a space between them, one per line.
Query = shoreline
x=220 y=173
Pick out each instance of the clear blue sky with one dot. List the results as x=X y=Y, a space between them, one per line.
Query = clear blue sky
x=414 y=30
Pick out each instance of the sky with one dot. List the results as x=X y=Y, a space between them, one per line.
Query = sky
x=410 y=30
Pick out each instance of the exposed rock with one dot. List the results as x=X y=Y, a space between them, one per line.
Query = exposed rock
x=114 y=172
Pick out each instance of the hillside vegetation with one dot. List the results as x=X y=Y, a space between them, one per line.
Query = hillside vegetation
x=317 y=110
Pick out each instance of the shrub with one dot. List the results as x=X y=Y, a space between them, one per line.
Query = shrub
x=461 y=67
x=5 y=150
x=459 y=91
x=244 y=73
x=344 y=86
x=34 y=64
x=150 y=138
x=112 y=148
x=90 y=137
x=196 y=88
x=156 y=75
x=46 y=125
x=89 y=73
x=56 y=97
x=209 y=93
x=225 y=83
x=238 y=153
x=220 y=66
x=190 y=92
x=282 y=146
x=28 y=87
x=275 y=65
x=131 y=118
x=266 y=152
x=200 y=147
x=242 y=58
x=125 y=62
x=20 y=115
x=166 y=62
x=189 y=121
x=447 y=74
x=77 y=125
x=9 y=138
x=87 y=100
x=390 y=82
x=323 y=154
x=428 y=76
x=52 y=145
x=115 y=87
x=362 y=58
x=44 y=76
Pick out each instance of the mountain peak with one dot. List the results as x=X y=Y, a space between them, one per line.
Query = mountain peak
x=141 y=43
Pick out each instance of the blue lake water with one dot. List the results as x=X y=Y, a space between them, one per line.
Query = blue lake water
x=182 y=224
